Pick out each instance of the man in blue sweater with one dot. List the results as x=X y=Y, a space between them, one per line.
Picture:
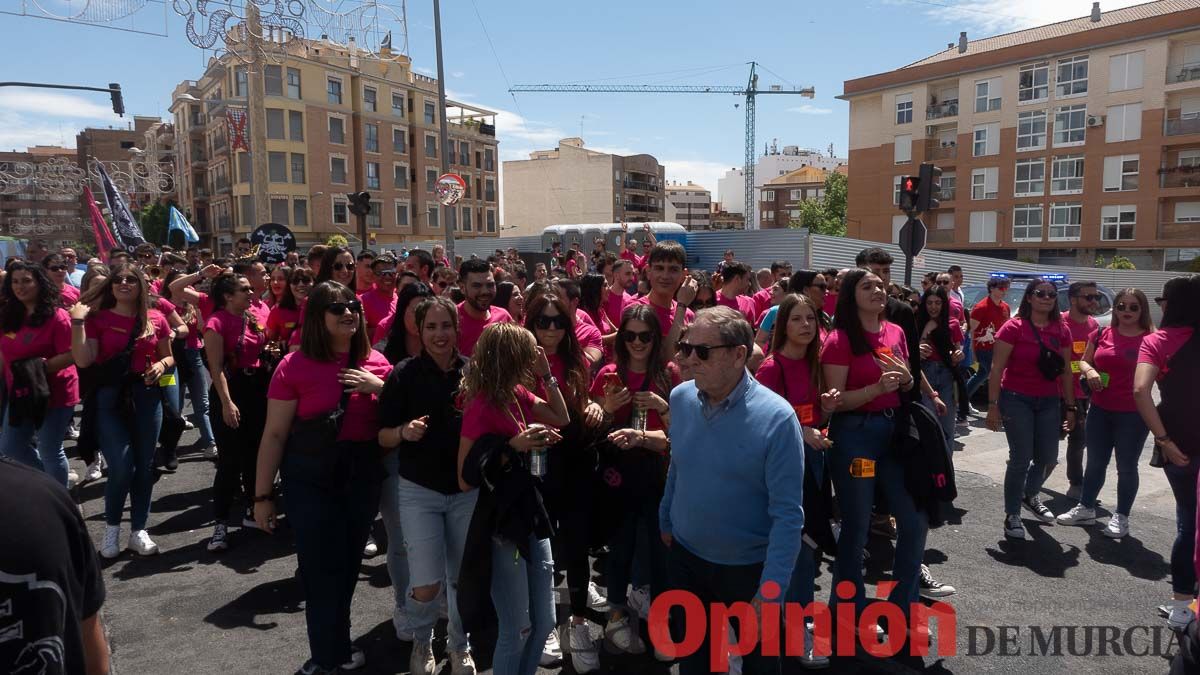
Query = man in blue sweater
x=731 y=513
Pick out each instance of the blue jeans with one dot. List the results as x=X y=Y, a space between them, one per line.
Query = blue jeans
x=1183 y=485
x=941 y=379
x=523 y=594
x=1126 y=433
x=49 y=455
x=195 y=376
x=869 y=437
x=437 y=525
x=128 y=447
x=980 y=378
x=1032 y=425
x=800 y=588
x=636 y=541
x=389 y=509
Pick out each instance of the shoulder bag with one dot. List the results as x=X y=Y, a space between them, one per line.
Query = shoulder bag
x=316 y=434
x=1049 y=362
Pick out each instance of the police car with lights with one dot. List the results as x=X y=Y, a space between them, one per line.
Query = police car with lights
x=1018 y=281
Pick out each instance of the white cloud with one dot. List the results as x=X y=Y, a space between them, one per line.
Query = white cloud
x=54 y=104
x=701 y=172
x=18 y=132
x=990 y=17
x=457 y=73
x=49 y=118
x=810 y=109
x=425 y=71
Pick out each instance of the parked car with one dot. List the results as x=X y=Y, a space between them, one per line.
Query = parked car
x=973 y=293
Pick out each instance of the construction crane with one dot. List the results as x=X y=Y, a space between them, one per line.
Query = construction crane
x=750 y=91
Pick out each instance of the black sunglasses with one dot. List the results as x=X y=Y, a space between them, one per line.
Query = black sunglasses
x=302 y=282
x=123 y=279
x=702 y=351
x=386 y=273
x=644 y=336
x=1045 y=294
x=558 y=321
x=1122 y=307
x=1090 y=297
x=339 y=308
x=340 y=267
x=57 y=268
x=442 y=284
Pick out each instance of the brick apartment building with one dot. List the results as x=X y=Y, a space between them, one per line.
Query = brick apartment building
x=779 y=198
x=31 y=210
x=1059 y=143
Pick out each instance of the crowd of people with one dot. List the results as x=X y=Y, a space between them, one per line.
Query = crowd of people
x=712 y=433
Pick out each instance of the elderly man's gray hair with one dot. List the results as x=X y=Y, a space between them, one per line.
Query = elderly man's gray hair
x=730 y=324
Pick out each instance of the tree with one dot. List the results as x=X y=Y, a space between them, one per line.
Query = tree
x=336 y=240
x=153 y=220
x=1118 y=262
x=827 y=215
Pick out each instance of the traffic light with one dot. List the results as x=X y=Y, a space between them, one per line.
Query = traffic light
x=929 y=188
x=118 y=102
x=909 y=186
x=360 y=203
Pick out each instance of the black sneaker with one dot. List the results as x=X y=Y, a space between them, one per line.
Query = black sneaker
x=1013 y=527
x=1039 y=509
x=932 y=588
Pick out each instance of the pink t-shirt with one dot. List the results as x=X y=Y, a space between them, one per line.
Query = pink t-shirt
x=792 y=379
x=45 y=341
x=864 y=369
x=233 y=328
x=377 y=305
x=470 y=328
x=634 y=383
x=1116 y=355
x=195 y=338
x=1081 y=335
x=481 y=417
x=111 y=331
x=382 y=330
x=571 y=266
x=762 y=301
x=830 y=303
x=313 y=384
x=667 y=316
x=69 y=295
x=639 y=261
x=616 y=304
x=742 y=303
x=588 y=336
x=259 y=311
x=156 y=285
x=281 y=322
x=957 y=312
x=956 y=338
x=1021 y=375
x=1160 y=346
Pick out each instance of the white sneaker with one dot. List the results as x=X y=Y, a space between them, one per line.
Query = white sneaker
x=551 y=651
x=111 y=546
x=1078 y=515
x=73 y=432
x=187 y=425
x=621 y=636
x=358 y=659
x=220 y=538
x=810 y=660
x=1118 y=526
x=421 y=662
x=584 y=656
x=141 y=543
x=72 y=479
x=400 y=624
x=210 y=452
x=93 y=471
x=371 y=549
x=639 y=601
x=461 y=663
x=595 y=599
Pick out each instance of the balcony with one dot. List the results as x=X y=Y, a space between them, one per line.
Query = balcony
x=1179 y=177
x=221 y=186
x=1182 y=126
x=641 y=208
x=942 y=110
x=640 y=185
x=947 y=194
x=224 y=224
x=200 y=192
x=1185 y=72
x=1172 y=231
x=198 y=159
x=935 y=149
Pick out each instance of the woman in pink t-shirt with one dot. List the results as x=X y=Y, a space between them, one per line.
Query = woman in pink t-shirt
x=113 y=327
x=57 y=269
x=33 y=326
x=190 y=364
x=864 y=363
x=333 y=491
x=285 y=313
x=1113 y=422
x=506 y=363
x=1030 y=400
x=941 y=352
x=278 y=285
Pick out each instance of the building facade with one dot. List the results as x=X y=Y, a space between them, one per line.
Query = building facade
x=1059 y=144
x=779 y=200
x=571 y=184
x=338 y=121
x=689 y=204
x=773 y=163
x=31 y=208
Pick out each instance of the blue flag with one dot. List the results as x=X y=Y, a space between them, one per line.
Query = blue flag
x=178 y=222
x=126 y=228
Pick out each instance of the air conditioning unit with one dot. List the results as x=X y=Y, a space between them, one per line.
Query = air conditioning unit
x=1095 y=120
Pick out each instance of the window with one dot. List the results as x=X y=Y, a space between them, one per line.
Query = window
x=987 y=95
x=243 y=167
x=1187 y=212
x=1065 y=221
x=768 y=195
x=399 y=140
x=1121 y=173
x=400 y=176
x=296 y=125
x=985 y=183
x=1072 y=77
x=398 y=105
x=1188 y=158
x=491 y=220
x=768 y=215
x=431 y=177
x=796 y=195
x=1033 y=82
x=430 y=112
x=1031 y=130
x=949 y=182
x=371 y=137
x=432 y=215
x=299 y=213
x=430 y=146
x=337 y=170
x=239 y=82
x=1067 y=175
x=277 y=167
x=1124 y=123
x=340 y=212
x=1027 y=222
x=489 y=159
x=373 y=175
x=1125 y=71
x=1031 y=178
x=337 y=130
x=273 y=82
x=279 y=210
x=896 y=189
x=297 y=167
x=333 y=90
x=401 y=214
x=375 y=216
x=983 y=226
x=370 y=97
x=903 y=149
x=987 y=140
x=904 y=108
x=945 y=221
x=450 y=154
x=489 y=190
x=275 y=124
x=293 y=86
x=1116 y=222
x=1069 y=124
x=466 y=219
x=464 y=153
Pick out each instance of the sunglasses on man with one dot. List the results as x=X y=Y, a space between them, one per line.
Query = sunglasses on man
x=702 y=351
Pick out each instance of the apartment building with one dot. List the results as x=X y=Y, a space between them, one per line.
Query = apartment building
x=779 y=200
x=1059 y=144
x=773 y=163
x=688 y=204
x=41 y=206
x=571 y=184
x=338 y=120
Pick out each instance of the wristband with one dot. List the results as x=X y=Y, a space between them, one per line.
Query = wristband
x=78 y=322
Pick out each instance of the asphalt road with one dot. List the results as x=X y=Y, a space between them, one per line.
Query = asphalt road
x=189 y=611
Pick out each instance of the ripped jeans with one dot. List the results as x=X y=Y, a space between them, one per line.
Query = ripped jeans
x=523 y=593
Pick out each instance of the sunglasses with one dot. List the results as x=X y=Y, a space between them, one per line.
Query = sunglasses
x=57 y=268
x=1045 y=294
x=1132 y=307
x=302 y=282
x=643 y=336
x=341 y=267
x=339 y=308
x=442 y=285
x=386 y=273
x=125 y=280
x=1090 y=297
x=558 y=321
x=944 y=283
x=702 y=351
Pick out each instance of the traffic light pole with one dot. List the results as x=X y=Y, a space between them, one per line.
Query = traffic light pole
x=443 y=132
x=113 y=90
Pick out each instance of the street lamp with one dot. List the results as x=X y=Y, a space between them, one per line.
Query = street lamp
x=188 y=98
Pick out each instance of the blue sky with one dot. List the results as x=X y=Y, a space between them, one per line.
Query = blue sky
x=697 y=137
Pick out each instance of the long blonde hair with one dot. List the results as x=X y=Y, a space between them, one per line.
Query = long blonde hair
x=503 y=359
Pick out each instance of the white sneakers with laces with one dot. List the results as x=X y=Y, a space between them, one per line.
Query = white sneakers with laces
x=1078 y=515
x=595 y=599
x=621 y=635
x=461 y=663
x=111 y=546
x=584 y=657
x=551 y=651
x=1118 y=526
x=639 y=601
x=141 y=543
x=421 y=661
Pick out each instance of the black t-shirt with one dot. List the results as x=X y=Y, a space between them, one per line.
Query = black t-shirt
x=415 y=388
x=50 y=578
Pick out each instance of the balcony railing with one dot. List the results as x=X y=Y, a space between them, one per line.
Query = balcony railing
x=1187 y=72
x=200 y=192
x=1180 y=176
x=1172 y=231
x=947 y=194
x=943 y=109
x=223 y=223
x=640 y=185
x=641 y=208
x=221 y=186
x=1179 y=127
x=937 y=150
x=198 y=158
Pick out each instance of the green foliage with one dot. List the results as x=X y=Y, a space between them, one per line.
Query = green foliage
x=827 y=216
x=153 y=220
x=336 y=240
x=1118 y=262
x=1195 y=266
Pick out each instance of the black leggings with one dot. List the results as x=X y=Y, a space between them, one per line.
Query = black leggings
x=237 y=449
